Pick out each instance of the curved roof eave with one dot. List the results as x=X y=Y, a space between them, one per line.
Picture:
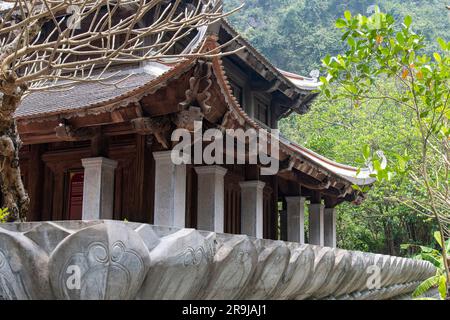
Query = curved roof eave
x=346 y=174
x=360 y=177
x=295 y=81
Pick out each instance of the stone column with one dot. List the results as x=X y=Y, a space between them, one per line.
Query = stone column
x=98 y=188
x=252 y=208
x=316 y=224
x=170 y=191
x=210 y=198
x=329 y=221
x=295 y=219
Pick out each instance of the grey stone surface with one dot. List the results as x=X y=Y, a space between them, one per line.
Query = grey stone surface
x=112 y=260
x=118 y=260
x=98 y=188
x=180 y=264
x=23 y=268
x=170 y=190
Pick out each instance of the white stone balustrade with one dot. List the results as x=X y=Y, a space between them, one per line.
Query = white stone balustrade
x=122 y=260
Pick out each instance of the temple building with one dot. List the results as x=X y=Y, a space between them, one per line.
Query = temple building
x=103 y=151
x=169 y=179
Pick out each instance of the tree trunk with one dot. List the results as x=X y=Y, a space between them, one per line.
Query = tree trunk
x=15 y=198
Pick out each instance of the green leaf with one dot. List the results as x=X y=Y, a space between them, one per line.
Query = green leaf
x=426 y=285
x=424 y=114
x=351 y=41
x=437 y=57
x=408 y=21
x=405 y=246
x=400 y=38
x=442 y=44
x=443 y=286
x=438 y=238
x=366 y=151
x=430 y=258
x=348 y=15
x=425 y=249
x=341 y=23
x=401 y=163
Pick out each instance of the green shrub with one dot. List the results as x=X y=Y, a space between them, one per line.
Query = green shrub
x=4 y=213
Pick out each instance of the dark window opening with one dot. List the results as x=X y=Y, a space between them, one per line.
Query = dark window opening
x=237 y=92
x=262 y=111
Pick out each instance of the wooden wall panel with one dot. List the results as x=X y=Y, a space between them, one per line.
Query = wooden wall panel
x=134 y=178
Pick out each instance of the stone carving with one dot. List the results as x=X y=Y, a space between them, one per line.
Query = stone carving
x=178 y=271
x=110 y=259
x=273 y=258
x=234 y=263
x=119 y=260
x=23 y=268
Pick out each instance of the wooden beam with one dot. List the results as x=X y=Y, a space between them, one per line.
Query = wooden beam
x=66 y=132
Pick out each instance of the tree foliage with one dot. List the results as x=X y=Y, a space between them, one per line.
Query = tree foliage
x=386 y=61
x=295 y=36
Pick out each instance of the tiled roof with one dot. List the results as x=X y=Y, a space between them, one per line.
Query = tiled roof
x=80 y=96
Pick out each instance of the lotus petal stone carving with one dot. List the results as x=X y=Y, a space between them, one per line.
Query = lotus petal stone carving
x=111 y=260
x=23 y=268
x=273 y=258
x=297 y=273
x=180 y=265
x=119 y=260
x=234 y=263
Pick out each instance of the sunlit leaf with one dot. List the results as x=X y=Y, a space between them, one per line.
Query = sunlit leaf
x=426 y=286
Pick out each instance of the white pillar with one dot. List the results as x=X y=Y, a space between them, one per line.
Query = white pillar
x=98 y=188
x=170 y=191
x=316 y=224
x=252 y=206
x=295 y=219
x=210 y=198
x=329 y=221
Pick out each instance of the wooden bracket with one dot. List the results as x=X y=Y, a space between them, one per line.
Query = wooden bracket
x=65 y=132
x=159 y=127
x=186 y=118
